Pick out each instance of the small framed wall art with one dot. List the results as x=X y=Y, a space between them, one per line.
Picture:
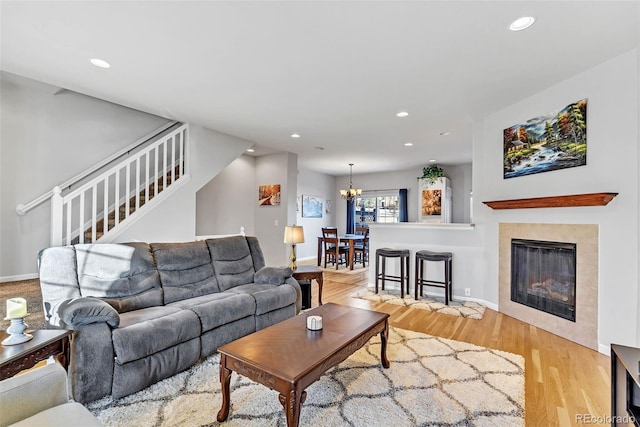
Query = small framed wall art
x=311 y=207
x=269 y=195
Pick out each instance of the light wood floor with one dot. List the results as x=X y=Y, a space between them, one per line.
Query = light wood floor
x=562 y=379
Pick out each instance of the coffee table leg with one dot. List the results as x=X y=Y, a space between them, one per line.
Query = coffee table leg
x=225 y=379
x=384 y=335
x=292 y=404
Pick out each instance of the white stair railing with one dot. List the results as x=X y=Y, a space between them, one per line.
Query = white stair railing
x=103 y=203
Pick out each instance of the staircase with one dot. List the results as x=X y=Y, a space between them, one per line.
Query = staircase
x=146 y=194
x=99 y=203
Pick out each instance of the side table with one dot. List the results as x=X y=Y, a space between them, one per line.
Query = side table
x=45 y=343
x=310 y=272
x=625 y=385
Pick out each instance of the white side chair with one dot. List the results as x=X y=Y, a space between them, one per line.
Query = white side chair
x=40 y=398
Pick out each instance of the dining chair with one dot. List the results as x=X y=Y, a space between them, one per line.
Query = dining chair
x=361 y=248
x=334 y=252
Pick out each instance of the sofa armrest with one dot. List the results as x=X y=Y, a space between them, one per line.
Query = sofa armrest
x=80 y=312
x=32 y=392
x=294 y=283
x=272 y=275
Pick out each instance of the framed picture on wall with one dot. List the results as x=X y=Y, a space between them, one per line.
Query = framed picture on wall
x=311 y=207
x=431 y=202
x=549 y=142
x=269 y=195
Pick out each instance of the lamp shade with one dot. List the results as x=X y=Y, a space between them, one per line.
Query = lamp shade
x=293 y=234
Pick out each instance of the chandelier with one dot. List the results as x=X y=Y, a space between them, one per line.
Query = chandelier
x=351 y=193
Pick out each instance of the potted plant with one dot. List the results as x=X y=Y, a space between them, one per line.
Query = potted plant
x=431 y=173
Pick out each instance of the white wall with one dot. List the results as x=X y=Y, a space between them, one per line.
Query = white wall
x=237 y=186
x=612 y=166
x=315 y=184
x=460 y=176
x=48 y=136
x=227 y=202
x=270 y=220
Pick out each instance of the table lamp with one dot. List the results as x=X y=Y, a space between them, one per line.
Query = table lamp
x=293 y=234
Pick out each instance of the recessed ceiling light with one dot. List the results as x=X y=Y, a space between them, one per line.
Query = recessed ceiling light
x=295 y=135
x=408 y=144
x=100 y=63
x=445 y=133
x=522 y=23
x=432 y=161
x=250 y=150
x=402 y=114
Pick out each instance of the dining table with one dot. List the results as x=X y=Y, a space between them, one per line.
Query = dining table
x=350 y=239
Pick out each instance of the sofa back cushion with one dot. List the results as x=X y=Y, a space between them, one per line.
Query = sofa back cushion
x=124 y=275
x=256 y=252
x=185 y=270
x=232 y=261
x=58 y=280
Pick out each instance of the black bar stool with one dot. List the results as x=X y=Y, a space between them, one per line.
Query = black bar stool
x=381 y=257
x=447 y=257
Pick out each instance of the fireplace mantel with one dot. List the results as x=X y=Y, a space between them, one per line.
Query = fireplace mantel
x=591 y=199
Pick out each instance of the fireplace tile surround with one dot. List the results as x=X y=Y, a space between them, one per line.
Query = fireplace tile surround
x=584 y=330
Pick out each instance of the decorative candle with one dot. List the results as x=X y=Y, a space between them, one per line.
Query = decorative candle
x=314 y=323
x=16 y=308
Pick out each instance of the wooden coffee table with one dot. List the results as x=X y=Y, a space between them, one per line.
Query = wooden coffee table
x=288 y=358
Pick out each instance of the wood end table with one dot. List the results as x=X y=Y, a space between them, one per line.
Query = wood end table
x=45 y=343
x=309 y=272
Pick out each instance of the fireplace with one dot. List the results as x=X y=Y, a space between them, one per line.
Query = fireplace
x=584 y=329
x=543 y=276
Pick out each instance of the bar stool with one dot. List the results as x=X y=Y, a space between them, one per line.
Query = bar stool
x=381 y=257
x=447 y=257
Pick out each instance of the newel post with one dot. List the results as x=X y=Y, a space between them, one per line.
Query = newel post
x=56 y=217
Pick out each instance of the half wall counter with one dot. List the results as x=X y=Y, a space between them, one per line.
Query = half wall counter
x=465 y=241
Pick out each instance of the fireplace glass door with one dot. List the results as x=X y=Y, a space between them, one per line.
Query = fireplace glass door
x=543 y=276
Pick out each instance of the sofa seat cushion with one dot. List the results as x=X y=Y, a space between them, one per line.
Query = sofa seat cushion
x=68 y=414
x=268 y=297
x=150 y=330
x=219 y=309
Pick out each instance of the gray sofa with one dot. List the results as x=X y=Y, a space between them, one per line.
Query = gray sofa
x=142 y=312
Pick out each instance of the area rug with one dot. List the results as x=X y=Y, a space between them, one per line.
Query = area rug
x=470 y=309
x=431 y=381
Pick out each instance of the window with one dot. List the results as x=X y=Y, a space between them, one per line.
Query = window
x=377 y=208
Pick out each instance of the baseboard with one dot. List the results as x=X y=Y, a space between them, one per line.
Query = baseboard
x=18 y=277
x=604 y=349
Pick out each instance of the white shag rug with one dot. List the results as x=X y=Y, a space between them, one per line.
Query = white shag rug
x=431 y=381
x=470 y=309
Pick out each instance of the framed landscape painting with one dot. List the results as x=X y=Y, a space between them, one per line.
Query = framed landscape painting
x=557 y=140
x=311 y=207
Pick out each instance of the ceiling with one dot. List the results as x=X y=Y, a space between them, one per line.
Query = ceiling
x=335 y=72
